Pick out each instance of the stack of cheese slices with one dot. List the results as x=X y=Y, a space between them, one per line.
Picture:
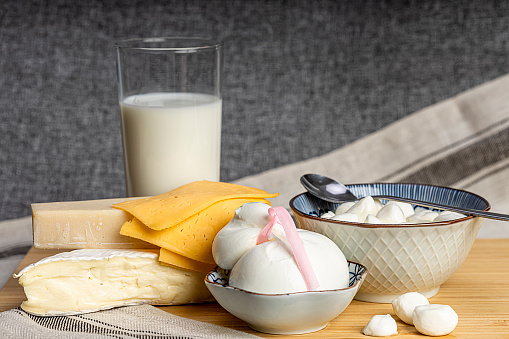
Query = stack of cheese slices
x=152 y=250
x=185 y=221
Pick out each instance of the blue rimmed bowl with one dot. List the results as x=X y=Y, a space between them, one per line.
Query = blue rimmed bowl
x=292 y=313
x=404 y=257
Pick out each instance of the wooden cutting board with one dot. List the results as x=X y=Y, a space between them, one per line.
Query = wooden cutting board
x=478 y=292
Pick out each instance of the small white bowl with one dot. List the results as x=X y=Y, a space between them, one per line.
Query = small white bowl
x=292 y=313
x=404 y=257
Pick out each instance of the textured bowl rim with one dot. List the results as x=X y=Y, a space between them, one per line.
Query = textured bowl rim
x=366 y=225
x=359 y=281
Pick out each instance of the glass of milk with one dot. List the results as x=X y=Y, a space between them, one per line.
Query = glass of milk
x=170 y=108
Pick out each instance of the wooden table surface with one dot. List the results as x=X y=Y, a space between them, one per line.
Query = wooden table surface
x=478 y=292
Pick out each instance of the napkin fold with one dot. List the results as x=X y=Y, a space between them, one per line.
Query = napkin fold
x=144 y=321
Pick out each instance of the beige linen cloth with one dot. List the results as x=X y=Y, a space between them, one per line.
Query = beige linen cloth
x=145 y=321
x=461 y=142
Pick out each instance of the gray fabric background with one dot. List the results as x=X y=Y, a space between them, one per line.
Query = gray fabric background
x=301 y=78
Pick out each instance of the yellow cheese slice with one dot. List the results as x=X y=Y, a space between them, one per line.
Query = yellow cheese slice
x=176 y=260
x=192 y=238
x=169 y=209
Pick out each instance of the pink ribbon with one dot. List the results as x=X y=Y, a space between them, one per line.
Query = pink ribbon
x=281 y=215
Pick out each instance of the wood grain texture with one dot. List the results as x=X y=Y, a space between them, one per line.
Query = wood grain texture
x=478 y=292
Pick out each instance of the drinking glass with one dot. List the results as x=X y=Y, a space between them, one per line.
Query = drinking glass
x=170 y=108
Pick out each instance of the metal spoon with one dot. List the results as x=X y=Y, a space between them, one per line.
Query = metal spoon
x=332 y=191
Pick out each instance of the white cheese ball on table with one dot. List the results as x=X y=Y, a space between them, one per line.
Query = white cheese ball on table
x=405 y=304
x=381 y=326
x=435 y=320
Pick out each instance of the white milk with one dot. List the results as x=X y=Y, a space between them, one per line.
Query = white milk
x=170 y=139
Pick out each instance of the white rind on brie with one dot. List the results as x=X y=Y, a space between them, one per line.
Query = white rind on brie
x=90 y=255
x=90 y=280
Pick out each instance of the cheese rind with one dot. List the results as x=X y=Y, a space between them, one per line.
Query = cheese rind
x=170 y=209
x=193 y=237
x=86 y=281
x=81 y=224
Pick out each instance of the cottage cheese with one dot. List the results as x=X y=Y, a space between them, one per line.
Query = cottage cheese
x=371 y=211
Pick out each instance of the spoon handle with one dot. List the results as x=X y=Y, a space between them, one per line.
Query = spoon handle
x=468 y=211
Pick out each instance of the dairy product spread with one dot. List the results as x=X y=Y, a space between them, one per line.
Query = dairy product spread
x=90 y=280
x=181 y=224
x=405 y=304
x=381 y=326
x=371 y=211
x=435 y=320
x=271 y=265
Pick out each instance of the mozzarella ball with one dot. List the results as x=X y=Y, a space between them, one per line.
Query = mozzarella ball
x=448 y=215
x=405 y=304
x=378 y=204
x=381 y=326
x=423 y=216
x=327 y=215
x=391 y=214
x=240 y=234
x=420 y=209
x=271 y=268
x=364 y=207
x=371 y=219
x=344 y=207
x=351 y=217
x=435 y=320
x=407 y=208
x=388 y=214
x=254 y=213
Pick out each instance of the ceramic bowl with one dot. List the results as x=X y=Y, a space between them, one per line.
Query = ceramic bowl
x=400 y=258
x=292 y=313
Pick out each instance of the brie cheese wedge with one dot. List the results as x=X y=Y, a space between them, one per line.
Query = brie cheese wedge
x=90 y=280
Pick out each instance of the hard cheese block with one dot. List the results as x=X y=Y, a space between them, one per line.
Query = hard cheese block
x=193 y=237
x=90 y=280
x=169 y=209
x=82 y=224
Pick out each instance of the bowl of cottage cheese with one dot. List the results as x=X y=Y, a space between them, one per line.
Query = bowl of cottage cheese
x=405 y=248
